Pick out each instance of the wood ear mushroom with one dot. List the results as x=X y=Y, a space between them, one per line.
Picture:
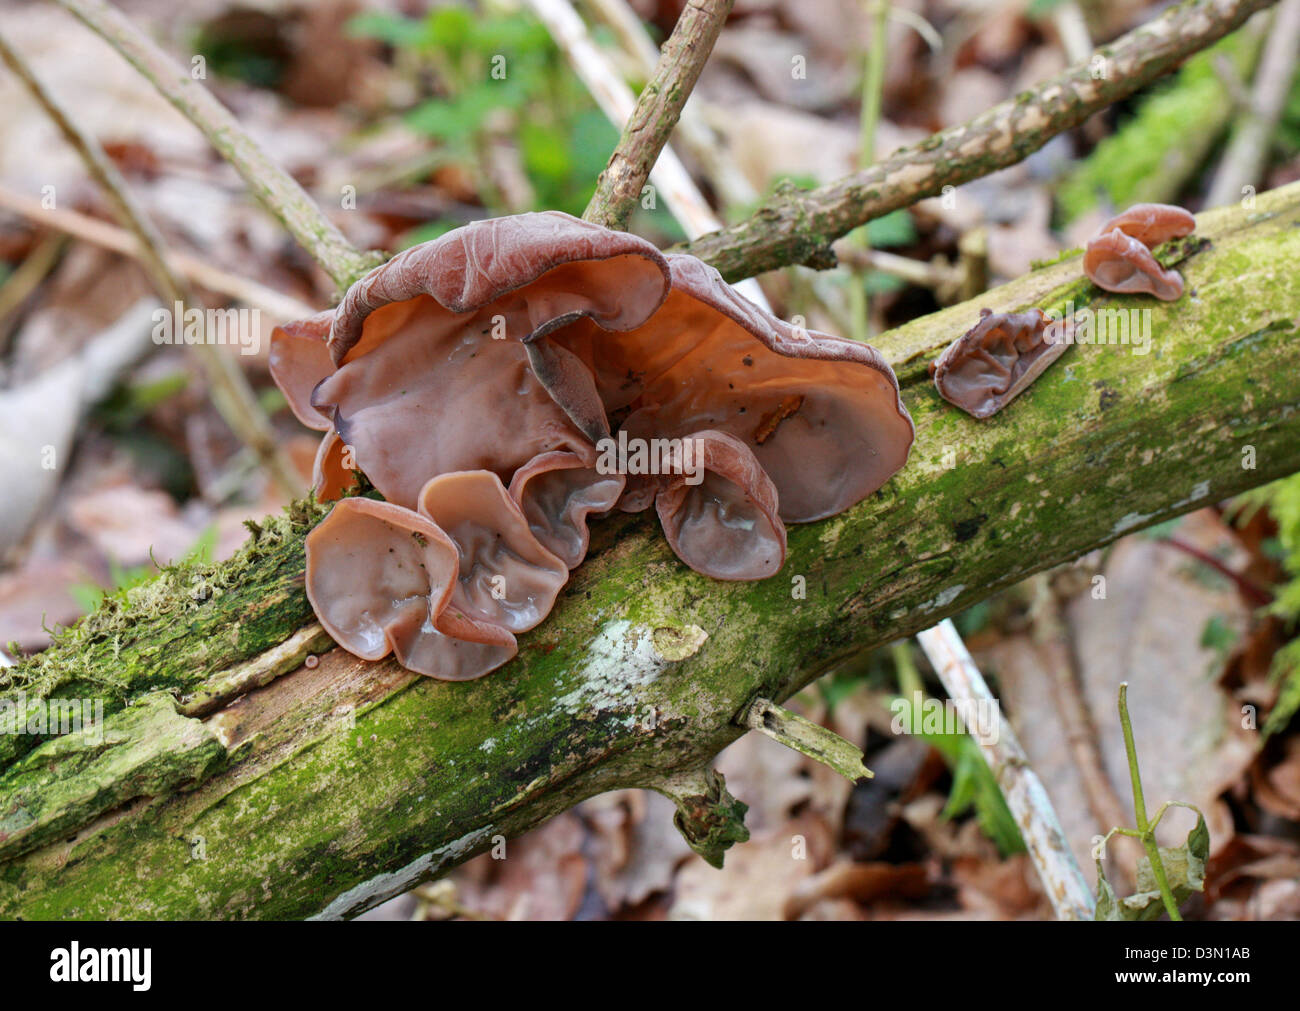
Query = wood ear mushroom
x=997 y=359
x=476 y=382
x=1118 y=258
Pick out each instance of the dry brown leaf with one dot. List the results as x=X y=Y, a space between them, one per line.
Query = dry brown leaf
x=860 y=883
x=635 y=846
x=1147 y=631
x=758 y=877
x=542 y=877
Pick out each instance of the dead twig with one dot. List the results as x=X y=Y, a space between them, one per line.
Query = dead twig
x=119 y=240
x=797 y=226
x=273 y=187
x=656 y=113
x=1048 y=847
x=231 y=393
x=1247 y=153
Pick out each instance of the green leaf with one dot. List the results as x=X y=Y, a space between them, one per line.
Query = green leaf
x=1184 y=869
x=1286 y=670
x=545 y=154
x=390 y=28
x=450 y=28
x=895 y=229
x=1218 y=634
x=877 y=283
x=1040 y=9
x=973 y=785
x=452 y=119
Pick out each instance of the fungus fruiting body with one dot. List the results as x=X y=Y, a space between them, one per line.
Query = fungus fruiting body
x=1000 y=357
x=476 y=382
x=1118 y=258
x=997 y=359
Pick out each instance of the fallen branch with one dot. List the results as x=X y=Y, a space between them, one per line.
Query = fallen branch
x=340 y=783
x=798 y=226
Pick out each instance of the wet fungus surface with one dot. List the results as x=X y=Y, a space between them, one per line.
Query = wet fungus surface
x=504 y=385
x=1118 y=258
x=996 y=360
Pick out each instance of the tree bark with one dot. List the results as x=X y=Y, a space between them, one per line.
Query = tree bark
x=276 y=789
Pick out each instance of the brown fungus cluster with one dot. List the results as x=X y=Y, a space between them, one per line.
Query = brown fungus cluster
x=490 y=384
x=998 y=358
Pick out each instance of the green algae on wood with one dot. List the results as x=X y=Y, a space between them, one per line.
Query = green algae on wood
x=350 y=781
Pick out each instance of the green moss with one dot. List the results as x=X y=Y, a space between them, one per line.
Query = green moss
x=1155 y=153
x=174 y=631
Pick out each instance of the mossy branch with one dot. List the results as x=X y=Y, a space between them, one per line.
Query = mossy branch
x=340 y=783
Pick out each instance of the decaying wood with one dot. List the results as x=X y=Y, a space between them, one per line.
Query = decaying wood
x=338 y=783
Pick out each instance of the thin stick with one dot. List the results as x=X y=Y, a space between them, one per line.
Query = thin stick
x=798 y=227
x=107 y=236
x=231 y=393
x=808 y=738
x=935 y=275
x=658 y=108
x=1247 y=154
x=274 y=188
x=26 y=279
x=1251 y=592
x=1056 y=653
x=1049 y=849
x=616 y=100
x=1073 y=29
x=693 y=134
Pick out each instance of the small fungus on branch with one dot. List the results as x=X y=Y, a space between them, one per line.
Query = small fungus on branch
x=1118 y=257
x=997 y=359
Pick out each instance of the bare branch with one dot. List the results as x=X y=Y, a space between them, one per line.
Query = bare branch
x=274 y=188
x=657 y=111
x=797 y=226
